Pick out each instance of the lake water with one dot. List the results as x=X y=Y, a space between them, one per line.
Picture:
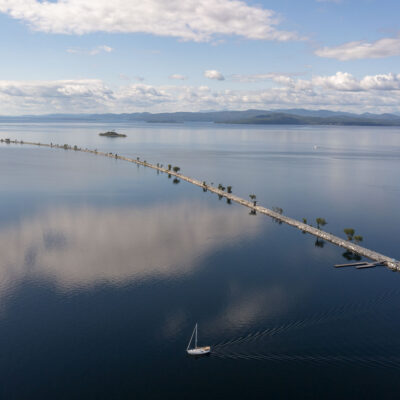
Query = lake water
x=105 y=267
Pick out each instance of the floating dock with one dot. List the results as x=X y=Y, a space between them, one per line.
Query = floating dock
x=360 y=264
x=379 y=259
x=350 y=264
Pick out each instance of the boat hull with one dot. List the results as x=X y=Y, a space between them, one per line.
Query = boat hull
x=199 y=351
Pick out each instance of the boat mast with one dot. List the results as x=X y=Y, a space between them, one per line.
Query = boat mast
x=195 y=340
x=191 y=337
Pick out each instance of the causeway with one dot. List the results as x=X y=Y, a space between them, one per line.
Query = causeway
x=355 y=248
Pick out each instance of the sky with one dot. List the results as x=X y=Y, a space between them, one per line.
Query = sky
x=121 y=56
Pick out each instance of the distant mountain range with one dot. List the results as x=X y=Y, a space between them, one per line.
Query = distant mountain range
x=252 y=117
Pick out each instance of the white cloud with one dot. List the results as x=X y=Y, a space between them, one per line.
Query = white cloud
x=381 y=82
x=340 y=81
x=214 y=74
x=63 y=88
x=196 y=20
x=91 y=52
x=140 y=95
x=386 y=47
x=341 y=91
x=178 y=77
x=55 y=96
x=344 y=81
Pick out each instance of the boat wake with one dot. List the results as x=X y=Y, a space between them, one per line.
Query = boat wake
x=334 y=314
x=366 y=361
x=362 y=353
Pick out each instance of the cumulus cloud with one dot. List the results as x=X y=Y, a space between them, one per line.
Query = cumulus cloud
x=381 y=82
x=339 y=81
x=195 y=20
x=55 y=96
x=91 y=52
x=381 y=48
x=214 y=74
x=178 y=77
x=346 y=82
x=341 y=91
x=141 y=95
x=62 y=88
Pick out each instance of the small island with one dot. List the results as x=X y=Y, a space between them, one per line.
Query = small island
x=112 y=134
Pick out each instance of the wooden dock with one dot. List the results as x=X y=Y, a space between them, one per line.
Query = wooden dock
x=355 y=248
x=350 y=264
x=368 y=265
x=360 y=264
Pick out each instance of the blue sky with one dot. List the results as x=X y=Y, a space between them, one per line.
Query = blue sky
x=77 y=56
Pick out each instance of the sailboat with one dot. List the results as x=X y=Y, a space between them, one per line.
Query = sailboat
x=196 y=351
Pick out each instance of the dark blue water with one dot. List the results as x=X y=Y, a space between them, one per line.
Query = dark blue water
x=105 y=267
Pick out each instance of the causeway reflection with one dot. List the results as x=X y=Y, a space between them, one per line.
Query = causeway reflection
x=81 y=247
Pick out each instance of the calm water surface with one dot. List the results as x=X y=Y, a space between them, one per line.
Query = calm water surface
x=105 y=267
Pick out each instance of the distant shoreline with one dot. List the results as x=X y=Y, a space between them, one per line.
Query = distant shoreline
x=291 y=117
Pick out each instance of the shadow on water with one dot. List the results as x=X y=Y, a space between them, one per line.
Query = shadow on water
x=348 y=255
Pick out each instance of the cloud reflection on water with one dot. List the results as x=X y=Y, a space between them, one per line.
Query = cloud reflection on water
x=244 y=308
x=87 y=246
